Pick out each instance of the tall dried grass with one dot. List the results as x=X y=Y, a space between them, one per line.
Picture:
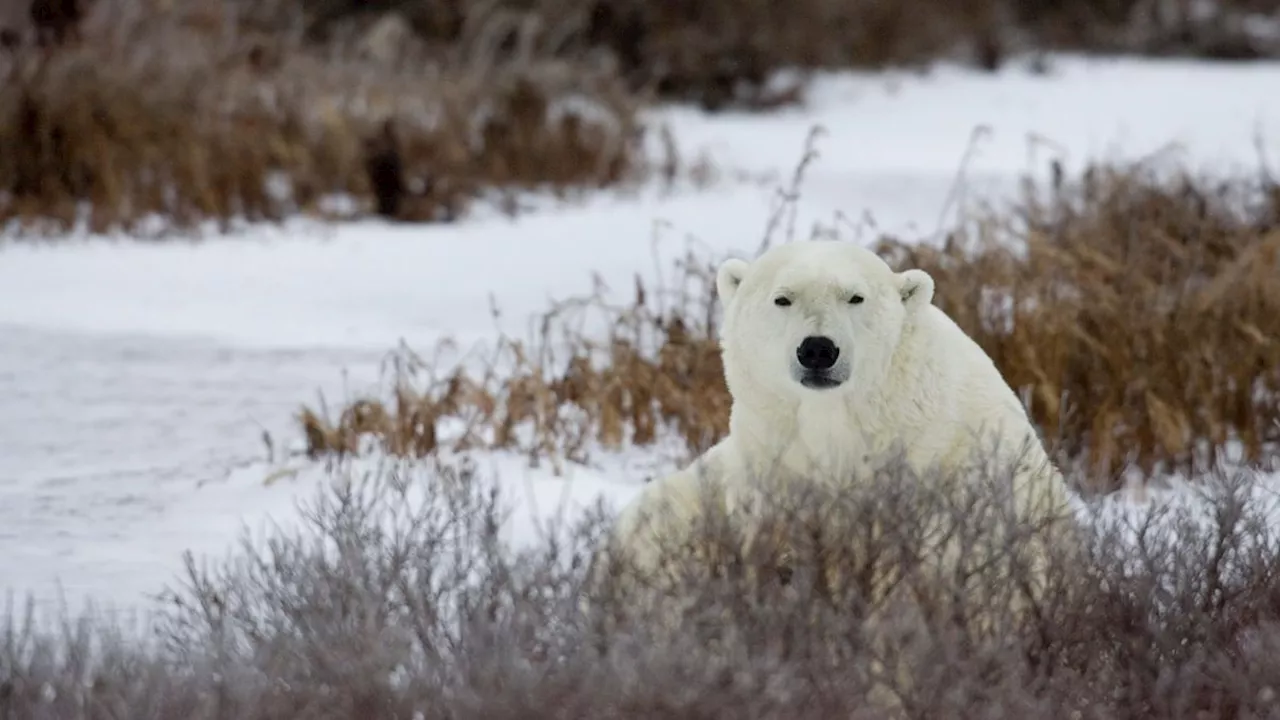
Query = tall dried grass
x=172 y=114
x=1138 y=308
x=160 y=114
x=559 y=395
x=1138 y=311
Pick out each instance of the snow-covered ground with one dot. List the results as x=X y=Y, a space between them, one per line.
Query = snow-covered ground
x=137 y=381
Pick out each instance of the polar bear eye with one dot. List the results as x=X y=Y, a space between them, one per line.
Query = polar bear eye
x=782 y=302
x=856 y=300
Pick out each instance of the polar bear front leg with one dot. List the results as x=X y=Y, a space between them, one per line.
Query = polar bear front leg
x=665 y=516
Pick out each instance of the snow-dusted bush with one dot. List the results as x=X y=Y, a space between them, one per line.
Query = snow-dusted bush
x=396 y=597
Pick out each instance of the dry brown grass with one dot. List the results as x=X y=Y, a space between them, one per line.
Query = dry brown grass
x=1140 y=309
x=654 y=370
x=159 y=114
x=182 y=111
x=1139 y=312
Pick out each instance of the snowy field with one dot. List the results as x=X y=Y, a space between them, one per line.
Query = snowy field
x=138 y=381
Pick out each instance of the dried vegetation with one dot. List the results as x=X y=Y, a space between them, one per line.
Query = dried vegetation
x=1138 y=311
x=162 y=115
x=397 y=598
x=722 y=53
x=415 y=108
x=1139 y=308
x=559 y=395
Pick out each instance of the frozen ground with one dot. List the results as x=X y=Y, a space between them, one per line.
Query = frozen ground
x=137 y=381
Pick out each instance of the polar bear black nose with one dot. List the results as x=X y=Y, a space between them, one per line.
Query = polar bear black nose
x=817 y=352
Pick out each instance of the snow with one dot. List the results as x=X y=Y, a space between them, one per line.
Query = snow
x=138 y=380
x=904 y=125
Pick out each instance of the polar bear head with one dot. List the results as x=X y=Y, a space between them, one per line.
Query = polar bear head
x=815 y=317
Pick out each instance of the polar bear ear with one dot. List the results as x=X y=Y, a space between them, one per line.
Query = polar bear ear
x=730 y=276
x=916 y=287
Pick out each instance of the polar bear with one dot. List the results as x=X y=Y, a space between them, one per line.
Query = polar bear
x=838 y=367
x=836 y=363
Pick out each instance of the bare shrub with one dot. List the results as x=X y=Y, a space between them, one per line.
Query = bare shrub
x=728 y=53
x=85 y=667
x=395 y=597
x=56 y=21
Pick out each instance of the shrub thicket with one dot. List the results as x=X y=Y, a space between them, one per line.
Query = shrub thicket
x=396 y=597
x=721 y=53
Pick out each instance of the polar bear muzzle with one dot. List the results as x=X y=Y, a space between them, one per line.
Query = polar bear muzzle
x=817 y=356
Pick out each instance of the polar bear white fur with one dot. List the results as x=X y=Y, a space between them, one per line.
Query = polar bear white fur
x=835 y=362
